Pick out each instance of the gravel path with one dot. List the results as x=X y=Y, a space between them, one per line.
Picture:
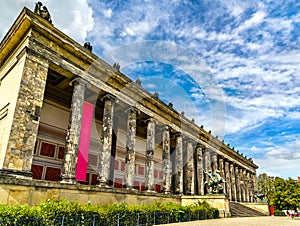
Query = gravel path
x=245 y=221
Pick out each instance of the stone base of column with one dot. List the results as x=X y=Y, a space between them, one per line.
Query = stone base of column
x=103 y=184
x=178 y=192
x=129 y=188
x=150 y=191
x=68 y=180
x=166 y=192
x=15 y=173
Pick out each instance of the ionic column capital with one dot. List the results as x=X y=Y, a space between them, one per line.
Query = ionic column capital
x=109 y=96
x=132 y=109
x=80 y=81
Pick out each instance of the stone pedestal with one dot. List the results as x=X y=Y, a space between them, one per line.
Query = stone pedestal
x=220 y=202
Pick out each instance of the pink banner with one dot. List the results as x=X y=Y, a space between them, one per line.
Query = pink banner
x=84 y=142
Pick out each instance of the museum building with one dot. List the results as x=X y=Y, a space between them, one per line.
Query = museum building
x=71 y=121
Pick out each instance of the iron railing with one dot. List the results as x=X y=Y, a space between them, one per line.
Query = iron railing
x=127 y=219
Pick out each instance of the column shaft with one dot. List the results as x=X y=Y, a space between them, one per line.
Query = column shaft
x=73 y=132
x=214 y=161
x=208 y=168
x=222 y=174
x=238 y=184
x=228 y=181
x=252 y=187
x=149 y=183
x=233 y=183
x=190 y=188
x=221 y=168
x=106 y=140
x=166 y=162
x=179 y=165
x=130 y=148
x=243 y=185
x=199 y=169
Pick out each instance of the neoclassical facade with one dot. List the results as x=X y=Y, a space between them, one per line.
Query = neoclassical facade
x=68 y=116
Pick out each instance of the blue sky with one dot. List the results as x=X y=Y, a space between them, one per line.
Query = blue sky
x=233 y=66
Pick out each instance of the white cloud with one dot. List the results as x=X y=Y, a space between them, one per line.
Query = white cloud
x=108 y=13
x=150 y=86
x=281 y=160
x=278 y=167
x=236 y=8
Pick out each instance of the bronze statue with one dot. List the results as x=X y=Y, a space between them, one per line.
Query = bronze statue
x=44 y=13
x=214 y=184
x=258 y=195
x=88 y=46
x=116 y=66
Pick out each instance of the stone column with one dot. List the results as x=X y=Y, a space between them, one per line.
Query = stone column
x=106 y=140
x=149 y=165
x=221 y=167
x=166 y=161
x=73 y=133
x=247 y=187
x=190 y=188
x=30 y=84
x=228 y=181
x=233 y=183
x=130 y=148
x=251 y=188
x=238 y=184
x=214 y=161
x=178 y=165
x=242 y=184
x=199 y=169
x=207 y=167
x=222 y=174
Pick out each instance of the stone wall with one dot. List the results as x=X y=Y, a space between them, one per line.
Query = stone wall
x=24 y=127
x=24 y=191
x=261 y=207
x=218 y=201
x=10 y=80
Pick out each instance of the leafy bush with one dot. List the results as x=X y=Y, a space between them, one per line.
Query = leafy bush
x=51 y=210
x=278 y=212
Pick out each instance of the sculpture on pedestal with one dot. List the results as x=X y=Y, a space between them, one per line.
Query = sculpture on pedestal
x=214 y=184
x=44 y=13
x=258 y=195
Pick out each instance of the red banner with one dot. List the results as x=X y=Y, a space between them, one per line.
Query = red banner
x=84 y=142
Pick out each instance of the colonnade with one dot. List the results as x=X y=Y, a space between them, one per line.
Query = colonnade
x=184 y=173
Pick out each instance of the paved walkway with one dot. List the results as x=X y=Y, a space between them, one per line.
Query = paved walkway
x=245 y=221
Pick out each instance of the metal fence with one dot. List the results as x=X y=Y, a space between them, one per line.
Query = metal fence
x=136 y=219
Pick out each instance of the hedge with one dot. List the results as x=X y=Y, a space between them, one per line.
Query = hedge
x=53 y=209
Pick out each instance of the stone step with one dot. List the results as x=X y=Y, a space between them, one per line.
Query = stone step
x=239 y=210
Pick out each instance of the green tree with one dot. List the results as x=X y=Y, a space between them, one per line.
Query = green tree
x=266 y=184
x=281 y=193
x=286 y=194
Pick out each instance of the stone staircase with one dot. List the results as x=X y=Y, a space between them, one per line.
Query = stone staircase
x=239 y=210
